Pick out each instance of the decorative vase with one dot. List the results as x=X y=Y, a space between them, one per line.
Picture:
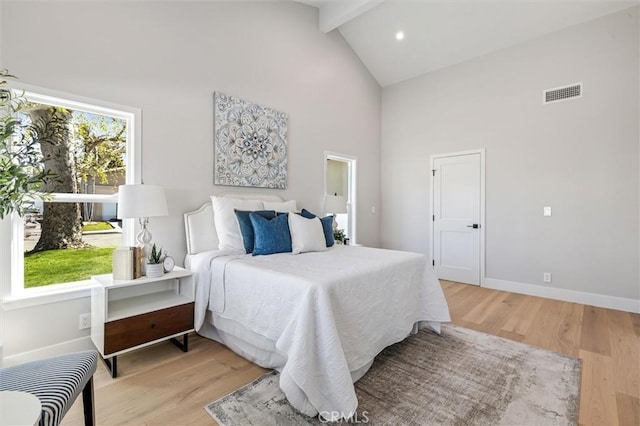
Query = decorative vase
x=154 y=270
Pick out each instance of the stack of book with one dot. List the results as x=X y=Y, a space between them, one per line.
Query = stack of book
x=128 y=263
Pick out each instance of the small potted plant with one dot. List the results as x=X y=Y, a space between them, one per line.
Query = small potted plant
x=339 y=236
x=154 y=267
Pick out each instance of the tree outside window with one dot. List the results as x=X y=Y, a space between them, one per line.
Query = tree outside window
x=71 y=237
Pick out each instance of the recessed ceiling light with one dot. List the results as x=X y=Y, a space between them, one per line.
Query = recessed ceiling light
x=399 y=35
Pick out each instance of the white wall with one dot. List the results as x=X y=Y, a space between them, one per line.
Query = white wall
x=1 y=3
x=168 y=58
x=580 y=157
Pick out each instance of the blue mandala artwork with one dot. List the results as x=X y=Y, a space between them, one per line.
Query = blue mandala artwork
x=250 y=144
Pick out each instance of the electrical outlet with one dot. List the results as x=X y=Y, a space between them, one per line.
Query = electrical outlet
x=546 y=211
x=85 y=321
x=546 y=277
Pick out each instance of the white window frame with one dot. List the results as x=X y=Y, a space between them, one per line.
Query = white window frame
x=133 y=116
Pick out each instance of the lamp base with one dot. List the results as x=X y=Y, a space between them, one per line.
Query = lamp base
x=144 y=240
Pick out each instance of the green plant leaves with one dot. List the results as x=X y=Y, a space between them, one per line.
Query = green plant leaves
x=21 y=171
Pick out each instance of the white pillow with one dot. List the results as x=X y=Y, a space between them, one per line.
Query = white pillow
x=281 y=206
x=227 y=226
x=306 y=234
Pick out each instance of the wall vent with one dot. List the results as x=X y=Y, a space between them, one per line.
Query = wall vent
x=564 y=93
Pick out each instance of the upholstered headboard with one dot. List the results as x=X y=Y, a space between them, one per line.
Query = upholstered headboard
x=200 y=228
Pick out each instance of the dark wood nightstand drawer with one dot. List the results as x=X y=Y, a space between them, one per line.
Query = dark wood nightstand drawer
x=136 y=330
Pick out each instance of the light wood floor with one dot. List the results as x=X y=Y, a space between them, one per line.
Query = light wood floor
x=162 y=385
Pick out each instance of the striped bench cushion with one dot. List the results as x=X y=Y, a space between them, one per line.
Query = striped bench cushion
x=55 y=381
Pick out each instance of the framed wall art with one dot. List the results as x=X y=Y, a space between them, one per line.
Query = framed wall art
x=250 y=144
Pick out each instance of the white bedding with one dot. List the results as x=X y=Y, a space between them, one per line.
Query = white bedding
x=329 y=313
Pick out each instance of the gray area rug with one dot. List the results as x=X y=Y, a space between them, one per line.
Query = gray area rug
x=460 y=378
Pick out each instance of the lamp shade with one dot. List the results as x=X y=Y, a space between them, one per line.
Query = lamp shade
x=335 y=204
x=140 y=200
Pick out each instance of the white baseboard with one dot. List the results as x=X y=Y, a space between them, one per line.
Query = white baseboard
x=592 y=299
x=76 y=345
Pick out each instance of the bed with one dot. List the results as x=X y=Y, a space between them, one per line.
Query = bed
x=319 y=318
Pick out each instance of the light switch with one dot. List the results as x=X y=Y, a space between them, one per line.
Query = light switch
x=373 y=209
x=547 y=211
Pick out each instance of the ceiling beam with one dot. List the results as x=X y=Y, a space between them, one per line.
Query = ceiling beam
x=335 y=13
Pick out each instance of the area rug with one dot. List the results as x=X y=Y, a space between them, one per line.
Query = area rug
x=462 y=377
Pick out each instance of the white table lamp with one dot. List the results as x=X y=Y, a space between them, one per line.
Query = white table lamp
x=141 y=201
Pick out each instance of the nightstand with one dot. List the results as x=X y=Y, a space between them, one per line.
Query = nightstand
x=130 y=314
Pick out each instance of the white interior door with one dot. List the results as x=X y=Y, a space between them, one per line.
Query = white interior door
x=456 y=217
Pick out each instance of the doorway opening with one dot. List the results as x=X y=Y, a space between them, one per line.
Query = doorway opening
x=340 y=192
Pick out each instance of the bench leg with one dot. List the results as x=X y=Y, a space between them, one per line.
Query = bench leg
x=88 y=404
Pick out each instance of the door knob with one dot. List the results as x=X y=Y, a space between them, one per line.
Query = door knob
x=474 y=226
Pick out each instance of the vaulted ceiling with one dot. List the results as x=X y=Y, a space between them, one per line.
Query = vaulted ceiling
x=440 y=33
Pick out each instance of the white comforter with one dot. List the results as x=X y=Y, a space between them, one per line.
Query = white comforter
x=329 y=313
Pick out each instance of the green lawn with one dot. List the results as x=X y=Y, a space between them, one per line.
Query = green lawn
x=63 y=266
x=96 y=226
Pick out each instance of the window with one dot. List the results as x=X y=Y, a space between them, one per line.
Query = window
x=89 y=147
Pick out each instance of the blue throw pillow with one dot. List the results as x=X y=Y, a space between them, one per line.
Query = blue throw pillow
x=246 y=228
x=271 y=235
x=306 y=213
x=327 y=225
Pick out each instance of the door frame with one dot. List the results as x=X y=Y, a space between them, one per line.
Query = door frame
x=433 y=158
x=352 y=187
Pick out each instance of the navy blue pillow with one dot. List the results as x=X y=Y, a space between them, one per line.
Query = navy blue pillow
x=246 y=228
x=271 y=235
x=327 y=225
